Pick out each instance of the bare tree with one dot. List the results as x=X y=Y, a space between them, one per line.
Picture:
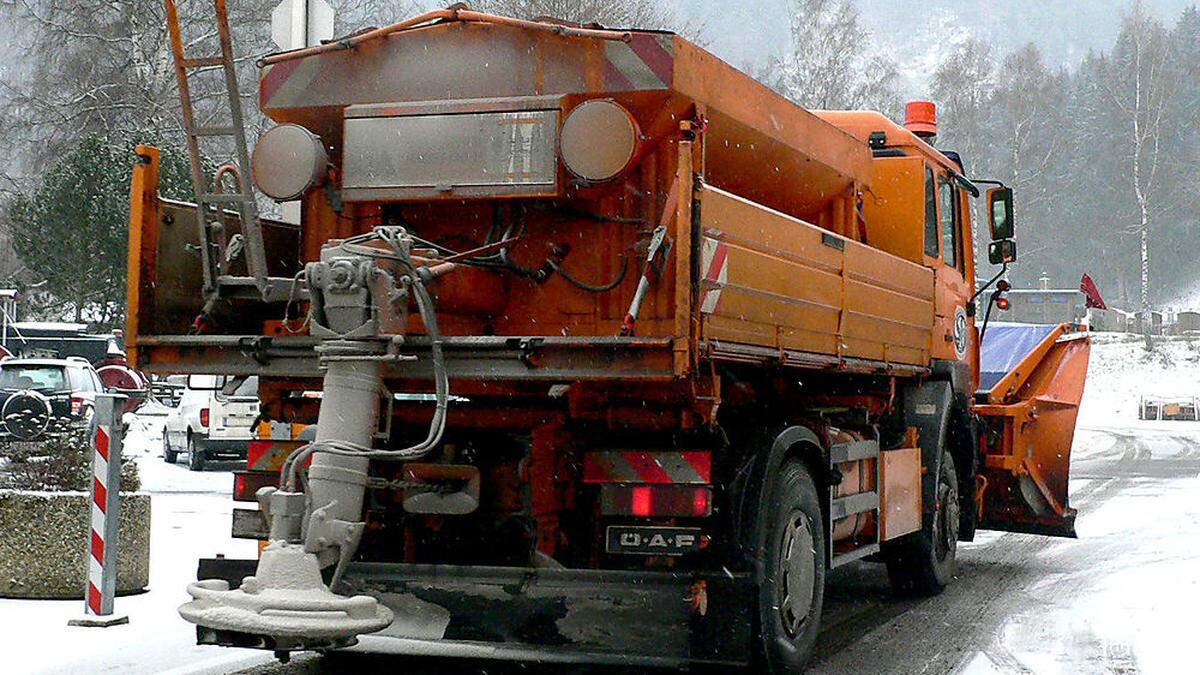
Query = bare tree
x=102 y=70
x=652 y=14
x=830 y=62
x=101 y=67
x=963 y=86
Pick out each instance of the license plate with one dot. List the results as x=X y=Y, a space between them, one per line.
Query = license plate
x=630 y=539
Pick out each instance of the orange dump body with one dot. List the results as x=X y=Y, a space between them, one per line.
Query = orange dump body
x=778 y=265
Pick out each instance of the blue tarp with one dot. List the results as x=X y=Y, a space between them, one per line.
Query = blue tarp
x=1004 y=345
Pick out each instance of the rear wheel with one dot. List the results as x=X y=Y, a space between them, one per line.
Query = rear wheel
x=169 y=455
x=792 y=593
x=195 y=454
x=924 y=562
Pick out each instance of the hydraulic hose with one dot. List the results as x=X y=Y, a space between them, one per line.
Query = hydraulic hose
x=593 y=288
x=437 y=425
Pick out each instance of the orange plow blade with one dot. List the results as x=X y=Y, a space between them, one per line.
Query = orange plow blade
x=1029 y=423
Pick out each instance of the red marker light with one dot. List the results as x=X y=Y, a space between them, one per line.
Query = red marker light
x=641 y=501
x=1002 y=303
x=700 y=506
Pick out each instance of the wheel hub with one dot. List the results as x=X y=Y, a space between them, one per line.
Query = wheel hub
x=797 y=570
x=946 y=526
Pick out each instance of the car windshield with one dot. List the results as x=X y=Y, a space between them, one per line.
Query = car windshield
x=42 y=378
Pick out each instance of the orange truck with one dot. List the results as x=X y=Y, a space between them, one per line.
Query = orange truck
x=611 y=351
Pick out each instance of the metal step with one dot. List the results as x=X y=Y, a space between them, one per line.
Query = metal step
x=850 y=452
x=203 y=62
x=215 y=131
x=855 y=504
x=223 y=198
x=855 y=554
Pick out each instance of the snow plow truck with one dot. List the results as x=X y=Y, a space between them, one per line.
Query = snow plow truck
x=587 y=348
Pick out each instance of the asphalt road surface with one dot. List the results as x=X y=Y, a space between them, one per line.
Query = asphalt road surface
x=1119 y=599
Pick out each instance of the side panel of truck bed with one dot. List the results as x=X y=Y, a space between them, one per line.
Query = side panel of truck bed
x=770 y=280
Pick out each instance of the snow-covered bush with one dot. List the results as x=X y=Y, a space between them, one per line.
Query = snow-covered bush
x=57 y=464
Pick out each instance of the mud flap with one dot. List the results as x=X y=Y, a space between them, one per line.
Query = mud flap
x=927 y=409
x=1029 y=416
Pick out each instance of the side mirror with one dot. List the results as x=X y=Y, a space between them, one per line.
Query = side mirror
x=1003 y=251
x=1000 y=212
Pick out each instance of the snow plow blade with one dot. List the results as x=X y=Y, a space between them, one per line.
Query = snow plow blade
x=1029 y=423
x=568 y=616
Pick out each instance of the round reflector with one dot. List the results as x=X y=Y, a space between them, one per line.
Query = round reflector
x=288 y=161
x=599 y=139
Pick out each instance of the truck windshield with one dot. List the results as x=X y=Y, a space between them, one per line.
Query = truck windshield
x=41 y=378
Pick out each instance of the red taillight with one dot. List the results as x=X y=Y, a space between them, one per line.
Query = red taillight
x=247 y=483
x=1002 y=303
x=641 y=501
x=656 y=500
x=204 y=417
x=76 y=405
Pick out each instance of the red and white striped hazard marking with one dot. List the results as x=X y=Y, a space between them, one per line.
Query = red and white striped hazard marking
x=715 y=264
x=693 y=467
x=99 y=518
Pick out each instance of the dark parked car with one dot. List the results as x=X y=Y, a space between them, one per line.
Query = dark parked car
x=44 y=397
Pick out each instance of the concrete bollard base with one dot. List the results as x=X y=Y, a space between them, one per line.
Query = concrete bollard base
x=99 y=621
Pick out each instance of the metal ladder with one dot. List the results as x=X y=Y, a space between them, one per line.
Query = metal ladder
x=210 y=201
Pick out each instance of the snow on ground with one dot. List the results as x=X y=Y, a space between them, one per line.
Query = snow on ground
x=190 y=519
x=1120 y=372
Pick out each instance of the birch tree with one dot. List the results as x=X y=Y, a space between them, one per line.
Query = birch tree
x=1140 y=92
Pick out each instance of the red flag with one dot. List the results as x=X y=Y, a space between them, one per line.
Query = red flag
x=1093 y=294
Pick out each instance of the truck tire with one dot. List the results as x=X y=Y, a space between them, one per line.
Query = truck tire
x=792 y=592
x=195 y=454
x=169 y=455
x=923 y=563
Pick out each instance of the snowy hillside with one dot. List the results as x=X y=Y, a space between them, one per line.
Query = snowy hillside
x=917 y=32
x=1122 y=370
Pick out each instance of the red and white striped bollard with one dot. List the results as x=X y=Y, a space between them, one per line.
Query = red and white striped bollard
x=105 y=507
